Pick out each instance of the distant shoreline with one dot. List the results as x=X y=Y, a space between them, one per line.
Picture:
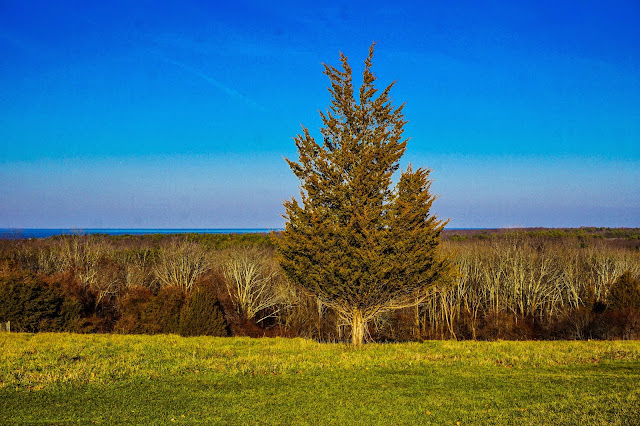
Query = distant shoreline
x=24 y=233
x=622 y=233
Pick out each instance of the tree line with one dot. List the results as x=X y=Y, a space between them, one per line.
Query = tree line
x=511 y=286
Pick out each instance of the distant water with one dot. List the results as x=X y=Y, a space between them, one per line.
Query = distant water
x=43 y=232
x=17 y=233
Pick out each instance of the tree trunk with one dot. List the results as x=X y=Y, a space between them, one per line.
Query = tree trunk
x=357 y=328
x=319 y=322
x=416 y=323
x=473 y=328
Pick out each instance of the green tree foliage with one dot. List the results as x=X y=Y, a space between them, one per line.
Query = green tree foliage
x=359 y=245
x=624 y=293
x=621 y=318
x=162 y=313
x=33 y=304
x=202 y=314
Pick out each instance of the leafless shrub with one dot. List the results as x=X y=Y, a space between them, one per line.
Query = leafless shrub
x=179 y=264
x=523 y=278
x=138 y=267
x=255 y=283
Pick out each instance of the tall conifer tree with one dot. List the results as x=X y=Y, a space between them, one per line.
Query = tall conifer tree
x=359 y=245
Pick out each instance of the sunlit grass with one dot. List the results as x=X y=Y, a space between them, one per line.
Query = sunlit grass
x=140 y=379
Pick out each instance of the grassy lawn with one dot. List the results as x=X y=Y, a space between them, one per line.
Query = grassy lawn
x=161 y=379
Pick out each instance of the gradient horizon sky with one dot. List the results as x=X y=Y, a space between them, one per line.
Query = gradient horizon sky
x=153 y=114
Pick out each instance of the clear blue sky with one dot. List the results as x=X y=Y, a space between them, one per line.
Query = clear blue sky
x=157 y=114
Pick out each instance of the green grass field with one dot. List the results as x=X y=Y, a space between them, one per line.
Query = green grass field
x=68 y=378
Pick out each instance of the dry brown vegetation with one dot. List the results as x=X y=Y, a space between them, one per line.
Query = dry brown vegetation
x=528 y=287
x=518 y=285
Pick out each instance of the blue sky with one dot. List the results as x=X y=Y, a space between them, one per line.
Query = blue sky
x=158 y=114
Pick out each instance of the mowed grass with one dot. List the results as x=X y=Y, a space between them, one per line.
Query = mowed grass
x=69 y=378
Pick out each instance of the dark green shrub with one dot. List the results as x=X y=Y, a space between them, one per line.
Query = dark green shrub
x=33 y=304
x=622 y=315
x=624 y=293
x=162 y=313
x=202 y=315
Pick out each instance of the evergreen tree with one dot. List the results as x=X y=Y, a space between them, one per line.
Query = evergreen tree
x=202 y=314
x=359 y=245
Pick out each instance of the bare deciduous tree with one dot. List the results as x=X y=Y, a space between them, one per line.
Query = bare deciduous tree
x=180 y=264
x=255 y=283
